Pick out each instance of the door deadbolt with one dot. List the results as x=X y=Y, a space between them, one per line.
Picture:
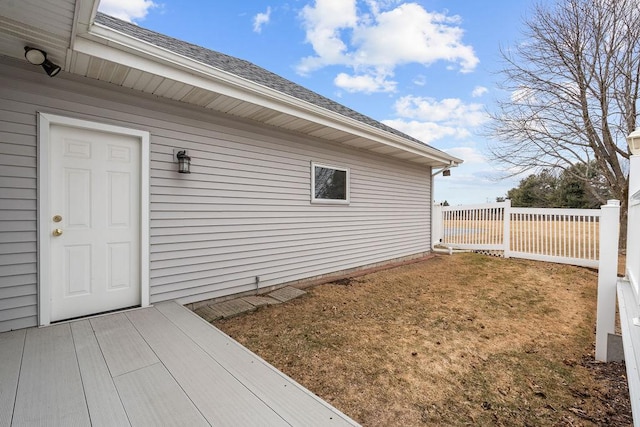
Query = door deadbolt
x=57 y=218
x=57 y=232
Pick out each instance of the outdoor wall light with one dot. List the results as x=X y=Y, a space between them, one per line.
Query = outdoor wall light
x=184 y=162
x=39 y=57
x=634 y=142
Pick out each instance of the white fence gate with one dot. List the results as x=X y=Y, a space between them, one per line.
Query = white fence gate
x=568 y=236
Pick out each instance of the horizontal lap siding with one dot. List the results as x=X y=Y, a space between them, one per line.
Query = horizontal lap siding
x=243 y=212
x=18 y=247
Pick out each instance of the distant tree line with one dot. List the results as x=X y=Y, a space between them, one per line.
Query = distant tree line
x=567 y=189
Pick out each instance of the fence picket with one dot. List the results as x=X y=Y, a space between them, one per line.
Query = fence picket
x=556 y=235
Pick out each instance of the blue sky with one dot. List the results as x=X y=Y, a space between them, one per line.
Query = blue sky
x=427 y=67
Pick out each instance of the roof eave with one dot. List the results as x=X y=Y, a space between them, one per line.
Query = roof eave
x=109 y=44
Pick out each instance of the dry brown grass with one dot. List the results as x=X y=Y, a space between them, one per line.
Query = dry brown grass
x=454 y=340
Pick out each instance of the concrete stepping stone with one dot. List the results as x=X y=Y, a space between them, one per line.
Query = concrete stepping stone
x=259 y=301
x=287 y=293
x=234 y=307
x=231 y=308
x=207 y=313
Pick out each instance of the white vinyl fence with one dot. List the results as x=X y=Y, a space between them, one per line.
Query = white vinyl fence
x=625 y=291
x=632 y=268
x=568 y=236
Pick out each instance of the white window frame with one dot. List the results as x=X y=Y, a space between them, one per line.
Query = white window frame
x=330 y=201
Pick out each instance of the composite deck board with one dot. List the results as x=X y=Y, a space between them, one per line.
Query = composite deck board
x=221 y=398
x=123 y=348
x=294 y=403
x=154 y=366
x=50 y=389
x=152 y=397
x=11 y=345
x=103 y=401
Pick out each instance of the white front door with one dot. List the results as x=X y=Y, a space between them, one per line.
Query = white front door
x=93 y=222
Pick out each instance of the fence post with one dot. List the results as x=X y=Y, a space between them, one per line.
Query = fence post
x=506 y=233
x=633 y=243
x=607 y=276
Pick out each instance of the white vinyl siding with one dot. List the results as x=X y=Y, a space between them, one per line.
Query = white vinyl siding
x=244 y=211
x=18 y=254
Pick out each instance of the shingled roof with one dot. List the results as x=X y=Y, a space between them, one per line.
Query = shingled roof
x=243 y=69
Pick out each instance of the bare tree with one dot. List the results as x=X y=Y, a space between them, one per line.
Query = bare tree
x=573 y=82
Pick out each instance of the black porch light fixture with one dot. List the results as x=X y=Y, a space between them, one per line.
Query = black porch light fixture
x=39 y=57
x=184 y=162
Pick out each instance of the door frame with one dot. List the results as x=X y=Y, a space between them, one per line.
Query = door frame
x=45 y=120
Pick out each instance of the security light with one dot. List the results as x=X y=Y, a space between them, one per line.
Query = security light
x=39 y=57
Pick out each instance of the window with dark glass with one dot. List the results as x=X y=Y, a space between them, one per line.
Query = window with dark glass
x=330 y=184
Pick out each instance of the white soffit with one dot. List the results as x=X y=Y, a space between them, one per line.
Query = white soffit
x=44 y=25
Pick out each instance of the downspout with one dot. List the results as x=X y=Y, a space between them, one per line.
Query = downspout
x=433 y=175
x=431 y=193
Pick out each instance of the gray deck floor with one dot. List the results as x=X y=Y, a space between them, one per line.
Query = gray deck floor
x=156 y=366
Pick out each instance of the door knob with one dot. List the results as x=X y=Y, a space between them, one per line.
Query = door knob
x=57 y=232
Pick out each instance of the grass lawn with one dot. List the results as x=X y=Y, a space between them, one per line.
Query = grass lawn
x=455 y=340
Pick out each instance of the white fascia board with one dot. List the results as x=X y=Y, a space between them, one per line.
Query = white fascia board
x=108 y=44
x=84 y=15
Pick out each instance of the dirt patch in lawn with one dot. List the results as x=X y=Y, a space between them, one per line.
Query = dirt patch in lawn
x=454 y=340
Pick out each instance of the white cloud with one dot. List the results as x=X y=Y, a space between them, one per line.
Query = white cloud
x=420 y=80
x=427 y=132
x=468 y=154
x=409 y=33
x=450 y=111
x=127 y=10
x=478 y=91
x=261 y=19
x=374 y=43
x=323 y=24
x=364 y=83
x=430 y=120
x=523 y=95
x=472 y=183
